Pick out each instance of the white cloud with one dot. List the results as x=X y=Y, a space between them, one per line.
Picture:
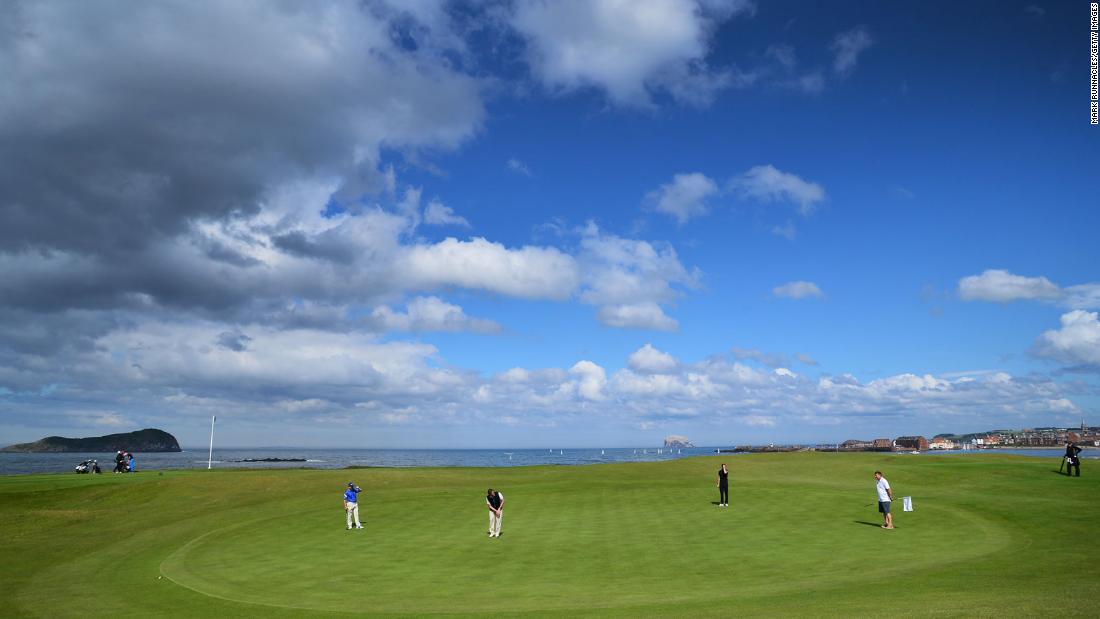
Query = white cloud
x=798 y=290
x=766 y=183
x=683 y=198
x=759 y=420
x=519 y=167
x=287 y=366
x=591 y=380
x=1077 y=342
x=439 y=214
x=106 y=419
x=1085 y=296
x=629 y=49
x=848 y=46
x=647 y=315
x=629 y=279
x=649 y=360
x=429 y=314
x=353 y=380
x=528 y=272
x=1001 y=286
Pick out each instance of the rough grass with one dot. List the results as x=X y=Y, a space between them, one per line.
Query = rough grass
x=991 y=536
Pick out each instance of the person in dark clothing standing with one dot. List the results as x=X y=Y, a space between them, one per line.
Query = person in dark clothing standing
x=495 y=501
x=119 y=459
x=724 y=486
x=1073 y=459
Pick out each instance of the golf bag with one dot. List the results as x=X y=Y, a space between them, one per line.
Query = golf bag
x=88 y=466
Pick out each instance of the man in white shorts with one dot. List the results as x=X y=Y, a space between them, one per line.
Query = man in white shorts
x=495 y=501
x=885 y=496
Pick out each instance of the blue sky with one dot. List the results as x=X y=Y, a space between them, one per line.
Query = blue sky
x=532 y=224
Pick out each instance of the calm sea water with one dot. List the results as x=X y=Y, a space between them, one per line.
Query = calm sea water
x=14 y=463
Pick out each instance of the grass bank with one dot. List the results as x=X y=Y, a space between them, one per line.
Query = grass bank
x=991 y=536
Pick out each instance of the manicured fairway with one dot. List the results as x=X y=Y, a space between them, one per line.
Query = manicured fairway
x=991 y=536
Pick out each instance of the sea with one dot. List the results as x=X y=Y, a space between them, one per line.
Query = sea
x=24 y=463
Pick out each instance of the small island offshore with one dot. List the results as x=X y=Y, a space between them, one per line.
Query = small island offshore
x=149 y=440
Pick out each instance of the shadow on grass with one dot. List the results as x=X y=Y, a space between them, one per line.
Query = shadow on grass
x=870 y=524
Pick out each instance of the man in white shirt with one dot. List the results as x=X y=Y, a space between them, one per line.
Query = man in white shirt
x=495 y=501
x=885 y=495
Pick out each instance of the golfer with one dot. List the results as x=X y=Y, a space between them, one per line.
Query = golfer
x=1073 y=459
x=724 y=486
x=351 y=505
x=885 y=495
x=495 y=501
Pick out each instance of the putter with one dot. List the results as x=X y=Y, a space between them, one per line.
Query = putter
x=1062 y=465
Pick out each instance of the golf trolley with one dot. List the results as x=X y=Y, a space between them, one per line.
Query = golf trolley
x=88 y=466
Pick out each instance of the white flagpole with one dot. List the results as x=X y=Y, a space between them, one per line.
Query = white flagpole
x=210 y=457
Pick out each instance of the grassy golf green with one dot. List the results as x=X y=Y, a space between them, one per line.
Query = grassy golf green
x=991 y=536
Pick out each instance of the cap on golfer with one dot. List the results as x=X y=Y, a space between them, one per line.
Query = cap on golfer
x=351 y=485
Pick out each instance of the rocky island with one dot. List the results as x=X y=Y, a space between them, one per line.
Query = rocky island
x=675 y=440
x=147 y=441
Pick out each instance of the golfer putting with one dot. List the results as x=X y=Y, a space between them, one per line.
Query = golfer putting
x=885 y=496
x=495 y=501
x=351 y=505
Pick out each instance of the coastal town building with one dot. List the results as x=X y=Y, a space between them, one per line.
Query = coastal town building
x=857 y=445
x=883 y=443
x=918 y=443
x=941 y=443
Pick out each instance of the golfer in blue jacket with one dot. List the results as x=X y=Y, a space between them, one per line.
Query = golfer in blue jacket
x=351 y=505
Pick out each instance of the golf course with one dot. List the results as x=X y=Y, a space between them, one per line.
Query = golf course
x=990 y=535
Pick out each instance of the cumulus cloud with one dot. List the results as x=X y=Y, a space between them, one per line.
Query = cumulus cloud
x=848 y=46
x=684 y=197
x=629 y=279
x=766 y=183
x=590 y=380
x=798 y=290
x=1077 y=342
x=647 y=315
x=528 y=272
x=648 y=359
x=628 y=49
x=346 y=380
x=1001 y=286
x=438 y=214
x=428 y=314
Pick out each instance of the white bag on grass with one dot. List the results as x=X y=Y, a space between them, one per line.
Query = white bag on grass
x=906 y=503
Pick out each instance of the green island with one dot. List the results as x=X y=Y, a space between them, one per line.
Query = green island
x=991 y=535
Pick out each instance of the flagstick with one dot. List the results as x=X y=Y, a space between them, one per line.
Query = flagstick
x=210 y=457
